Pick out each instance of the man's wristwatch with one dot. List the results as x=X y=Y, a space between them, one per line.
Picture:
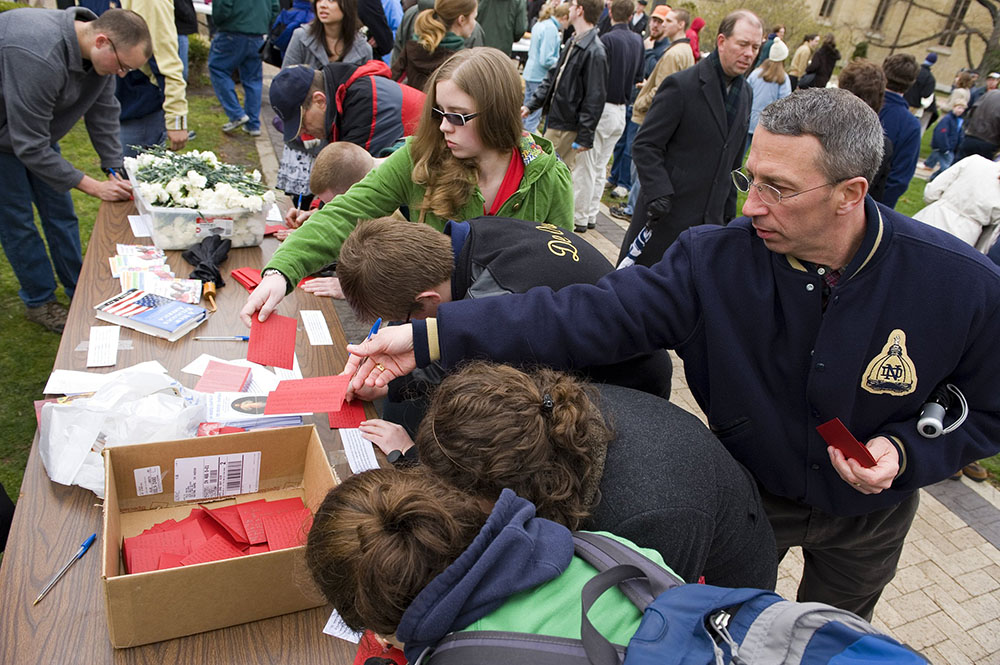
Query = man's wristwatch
x=274 y=271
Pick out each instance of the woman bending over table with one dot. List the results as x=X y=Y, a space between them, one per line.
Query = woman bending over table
x=469 y=157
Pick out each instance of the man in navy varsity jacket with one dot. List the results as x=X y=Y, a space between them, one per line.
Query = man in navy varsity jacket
x=819 y=304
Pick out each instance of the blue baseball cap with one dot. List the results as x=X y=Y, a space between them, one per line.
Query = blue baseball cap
x=288 y=93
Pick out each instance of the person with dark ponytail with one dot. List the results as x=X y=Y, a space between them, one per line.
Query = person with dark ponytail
x=438 y=33
x=601 y=458
x=413 y=559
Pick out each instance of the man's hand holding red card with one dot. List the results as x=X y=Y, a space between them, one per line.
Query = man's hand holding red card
x=871 y=480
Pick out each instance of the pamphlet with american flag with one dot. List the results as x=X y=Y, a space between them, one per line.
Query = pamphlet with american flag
x=151 y=314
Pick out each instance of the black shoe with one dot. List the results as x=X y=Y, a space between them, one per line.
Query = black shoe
x=579 y=229
x=618 y=212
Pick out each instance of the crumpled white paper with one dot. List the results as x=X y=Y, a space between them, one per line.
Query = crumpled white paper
x=136 y=407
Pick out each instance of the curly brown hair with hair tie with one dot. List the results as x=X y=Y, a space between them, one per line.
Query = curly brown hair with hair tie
x=489 y=428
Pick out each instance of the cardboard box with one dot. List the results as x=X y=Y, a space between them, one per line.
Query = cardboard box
x=164 y=604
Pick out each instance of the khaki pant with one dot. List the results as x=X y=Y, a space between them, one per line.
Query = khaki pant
x=562 y=141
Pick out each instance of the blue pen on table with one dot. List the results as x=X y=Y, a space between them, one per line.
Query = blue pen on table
x=299 y=205
x=76 y=557
x=224 y=338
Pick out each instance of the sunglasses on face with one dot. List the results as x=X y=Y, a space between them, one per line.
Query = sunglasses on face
x=454 y=119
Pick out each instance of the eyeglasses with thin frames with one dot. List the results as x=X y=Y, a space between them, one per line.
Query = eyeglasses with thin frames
x=770 y=195
x=122 y=68
x=454 y=119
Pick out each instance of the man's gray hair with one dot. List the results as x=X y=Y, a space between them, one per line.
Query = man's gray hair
x=847 y=128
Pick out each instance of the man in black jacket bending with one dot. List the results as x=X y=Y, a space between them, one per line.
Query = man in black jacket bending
x=691 y=140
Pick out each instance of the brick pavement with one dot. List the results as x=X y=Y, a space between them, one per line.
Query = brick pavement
x=945 y=599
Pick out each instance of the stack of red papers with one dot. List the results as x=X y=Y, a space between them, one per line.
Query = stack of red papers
x=223 y=378
x=221 y=533
x=249 y=278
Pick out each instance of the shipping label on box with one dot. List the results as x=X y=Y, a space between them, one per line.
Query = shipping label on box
x=198 y=478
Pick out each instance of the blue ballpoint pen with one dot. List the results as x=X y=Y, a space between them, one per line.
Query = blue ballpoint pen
x=375 y=327
x=223 y=338
x=79 y=553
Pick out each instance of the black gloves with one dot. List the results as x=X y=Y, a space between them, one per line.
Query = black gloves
x=657 y=210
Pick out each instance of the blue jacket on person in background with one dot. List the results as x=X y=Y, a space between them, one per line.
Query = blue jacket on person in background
x=298 y=14
x=903 y=129
x=947 y=133
x=543 y=51
x=914 y=308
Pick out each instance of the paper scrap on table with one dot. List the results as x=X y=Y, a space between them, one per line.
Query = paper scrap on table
x=70 y=382
x=272 y=342
x=271 y=229
x=288 y=374
x=336 y=627
x=316 y=327
x=273 y=213
x=350 y=416
x=221 y=377
x=103 y=348
x=313 y=395
x=140 y=225
x=360 y=451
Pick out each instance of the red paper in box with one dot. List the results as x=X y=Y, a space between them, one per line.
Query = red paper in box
x=214 y=549
x=228 y=518
x=320 y=394
x=273 y=341
x=350 y=416
x=142 y=552
x=252 y=512
x=287 y=529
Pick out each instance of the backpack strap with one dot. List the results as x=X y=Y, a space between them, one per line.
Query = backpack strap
x=599 y=650
x=489 y=647
x=603 y=553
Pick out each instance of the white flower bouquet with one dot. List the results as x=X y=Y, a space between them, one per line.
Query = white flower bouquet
x=191 y=195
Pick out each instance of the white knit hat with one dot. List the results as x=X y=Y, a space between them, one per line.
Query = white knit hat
x=779 y=51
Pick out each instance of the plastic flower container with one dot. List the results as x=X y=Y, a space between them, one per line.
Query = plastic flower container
x=181 y=228
x=190 y=196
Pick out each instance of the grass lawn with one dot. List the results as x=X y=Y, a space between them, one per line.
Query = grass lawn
x=28 y=350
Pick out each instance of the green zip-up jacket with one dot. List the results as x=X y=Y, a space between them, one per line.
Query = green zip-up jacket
x=251 y=17
x=545 y=195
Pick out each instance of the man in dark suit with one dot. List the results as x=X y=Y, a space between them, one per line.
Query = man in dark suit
x=691 y=140
x=639 y=20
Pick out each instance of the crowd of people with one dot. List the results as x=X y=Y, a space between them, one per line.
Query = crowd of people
x=453 y=193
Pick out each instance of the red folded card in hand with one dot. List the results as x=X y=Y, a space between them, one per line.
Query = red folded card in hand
x=836 y=434
x=273 y=341
x=318 y=394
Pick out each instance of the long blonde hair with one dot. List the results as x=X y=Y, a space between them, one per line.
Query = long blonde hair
x=773 y=71
x=432 y=24
x=489 y=77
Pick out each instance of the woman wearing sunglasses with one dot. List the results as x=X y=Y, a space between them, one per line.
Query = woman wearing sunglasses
x=469 y=157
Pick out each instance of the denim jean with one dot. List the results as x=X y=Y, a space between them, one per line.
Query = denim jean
x=531 y=122
x=634 y=191
x=144 y=132
x=940 y=158
x=182 y=51
x=232 y=51
x=621 y=168
x=20 y=238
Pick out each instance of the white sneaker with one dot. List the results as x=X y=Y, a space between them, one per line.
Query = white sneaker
x=619 y=192
x=233 y=125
